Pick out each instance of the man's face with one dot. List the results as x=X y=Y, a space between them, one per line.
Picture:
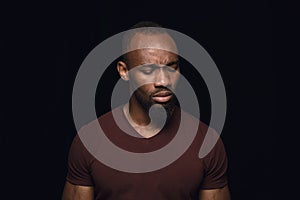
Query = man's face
x=153 y=73
x=154 y=76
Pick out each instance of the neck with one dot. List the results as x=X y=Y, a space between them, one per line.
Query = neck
x=138 y=114
x=139 y=118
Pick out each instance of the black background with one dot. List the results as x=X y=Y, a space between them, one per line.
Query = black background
x=44 y=43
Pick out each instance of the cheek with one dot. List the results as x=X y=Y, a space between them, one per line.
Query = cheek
x=174 y=80
x=146 y=89
x=140 y=79
x=141 y=82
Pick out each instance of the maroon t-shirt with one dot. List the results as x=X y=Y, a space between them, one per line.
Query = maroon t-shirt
x=182 y=179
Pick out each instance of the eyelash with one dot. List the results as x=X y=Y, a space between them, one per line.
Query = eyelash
x=147 y=72
x=170 y=69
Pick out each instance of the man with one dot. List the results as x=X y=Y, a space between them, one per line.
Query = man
x=152 y=72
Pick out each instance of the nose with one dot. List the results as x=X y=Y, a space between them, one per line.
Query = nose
x=162 y=78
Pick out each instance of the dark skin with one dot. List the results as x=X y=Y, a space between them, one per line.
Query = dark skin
x=77 y=192
x=163 y=72
x=156 y=80
x=154 y=70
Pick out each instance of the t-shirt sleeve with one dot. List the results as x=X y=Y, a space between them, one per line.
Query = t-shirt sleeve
x=78 y=164
x=215 y=167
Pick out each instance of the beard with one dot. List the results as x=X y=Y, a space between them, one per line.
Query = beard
x=155 y=109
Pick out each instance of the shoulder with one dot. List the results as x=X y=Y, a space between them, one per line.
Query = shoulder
x=190 y=122
x=207 y=139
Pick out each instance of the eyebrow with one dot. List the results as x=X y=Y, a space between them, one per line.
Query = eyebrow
x=173 y=63
x=153 y=65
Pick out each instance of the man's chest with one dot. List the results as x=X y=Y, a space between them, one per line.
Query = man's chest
x=179 y=180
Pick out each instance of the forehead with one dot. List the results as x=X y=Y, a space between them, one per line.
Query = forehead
x=152 y=48
x=153 y=56
x=161 y=41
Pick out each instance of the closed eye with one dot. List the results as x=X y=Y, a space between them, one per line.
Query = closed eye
x=173 y=66
x=171 y=69
x=148 y=69
x=173 y=63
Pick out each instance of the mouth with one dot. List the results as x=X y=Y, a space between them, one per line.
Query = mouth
x=162 y=97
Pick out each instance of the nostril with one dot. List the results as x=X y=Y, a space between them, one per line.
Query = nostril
x=162 y=77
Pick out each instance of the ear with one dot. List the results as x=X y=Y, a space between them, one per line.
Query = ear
x=123 y=70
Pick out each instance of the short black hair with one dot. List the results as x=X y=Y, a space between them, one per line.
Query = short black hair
x=146 y=24
x=145 y=27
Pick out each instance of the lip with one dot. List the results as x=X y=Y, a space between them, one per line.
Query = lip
x=162 y=94
x=162 y=97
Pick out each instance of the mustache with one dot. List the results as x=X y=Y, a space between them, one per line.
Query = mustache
x=163 y=89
